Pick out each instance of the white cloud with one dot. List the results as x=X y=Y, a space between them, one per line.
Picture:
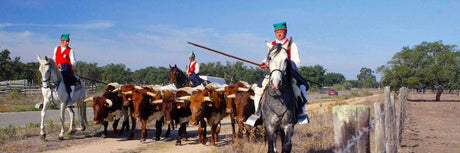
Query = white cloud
x=89 y=25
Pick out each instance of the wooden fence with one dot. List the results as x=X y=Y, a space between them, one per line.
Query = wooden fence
x=26 y=88
x=352 y=126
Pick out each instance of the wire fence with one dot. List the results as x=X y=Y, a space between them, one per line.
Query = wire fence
x=352 y=126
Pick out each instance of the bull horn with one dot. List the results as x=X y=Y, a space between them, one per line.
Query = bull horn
x=88 y=99
x=138 y=87
x=243 y=89
x=252 y=97
x=220 y=89
x=127 y=93
x=180 y=100
x=116 y=90
x=184 y=98
x=207 y=99
x=109 y=103
x=231 y=96
x=151 y=94
x=159 y=101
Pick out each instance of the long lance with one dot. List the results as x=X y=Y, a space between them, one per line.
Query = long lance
x=215 y=51
x=241 y=59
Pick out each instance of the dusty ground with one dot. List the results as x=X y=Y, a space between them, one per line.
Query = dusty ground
x=432 y=126
x=438 y=135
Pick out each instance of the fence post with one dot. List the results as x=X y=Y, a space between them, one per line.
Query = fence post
x=349 y=120
x=379 y=132
x=389 y=122
x=403 y=92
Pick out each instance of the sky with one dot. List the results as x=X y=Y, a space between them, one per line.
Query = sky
x=341 y=36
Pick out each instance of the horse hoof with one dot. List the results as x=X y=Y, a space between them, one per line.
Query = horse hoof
x=103 y=136
x=43 y=137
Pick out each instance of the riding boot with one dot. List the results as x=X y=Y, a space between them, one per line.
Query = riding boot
x=251 y=121
x=302 y=118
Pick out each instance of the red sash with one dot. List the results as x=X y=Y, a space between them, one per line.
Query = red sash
x=63 y=57
x=191 y=67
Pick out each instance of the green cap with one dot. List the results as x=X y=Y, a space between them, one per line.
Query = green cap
x=192 y=54
x=65 y=37
x=281 y=25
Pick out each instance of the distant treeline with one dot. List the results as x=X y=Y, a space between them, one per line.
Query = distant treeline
x=231 y=72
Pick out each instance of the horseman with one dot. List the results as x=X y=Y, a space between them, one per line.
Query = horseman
x=293 y=55
x=193 y=68
x=65 y=60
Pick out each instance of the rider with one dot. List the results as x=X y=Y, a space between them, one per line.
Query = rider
x=193 y=68
x=65 y=60
x=293 y=54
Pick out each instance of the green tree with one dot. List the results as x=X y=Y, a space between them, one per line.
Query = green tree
x=314 y=73
x=429 y=65
x=366 y=78
x=116 y=73
x=333 y=78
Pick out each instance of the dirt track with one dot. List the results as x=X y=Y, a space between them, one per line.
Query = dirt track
x=432 y=127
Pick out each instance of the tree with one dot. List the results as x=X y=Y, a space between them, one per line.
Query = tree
x=313 y=73
x=333 y=78
x=366 y=79
x=116 y=73
x=429 y=65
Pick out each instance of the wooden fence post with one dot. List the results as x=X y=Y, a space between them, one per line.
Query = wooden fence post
x=349 y=120
x=389 y=122
x=379 y=133
x=403 y=92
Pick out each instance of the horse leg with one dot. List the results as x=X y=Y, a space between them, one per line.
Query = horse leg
x=82 y=114
x=72 y=116
x=46 y=103
x=62 y=119
x=286 y=137
x=271 y=136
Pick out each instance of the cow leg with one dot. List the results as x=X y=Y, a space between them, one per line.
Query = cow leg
x=181 y=133
x=158 y=130
x=124 y=126
x=168 y=132
x=202 y=131
x=104 y=133
x=248 y=132
x=115 y=125
x=213 y=135
x=133 y=128
x=233 y=120
x=184 y=131
x=143 y=133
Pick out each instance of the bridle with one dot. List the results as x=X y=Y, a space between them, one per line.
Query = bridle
x=49 y=84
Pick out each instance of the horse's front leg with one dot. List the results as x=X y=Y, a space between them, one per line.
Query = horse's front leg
x=82 y=114
x=287 y=143
x=46 y=104
x=72 y=116
x=62 y=119
x=271 y=136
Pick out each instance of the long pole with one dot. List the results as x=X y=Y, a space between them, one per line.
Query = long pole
x=215 y=51
x=244 y=60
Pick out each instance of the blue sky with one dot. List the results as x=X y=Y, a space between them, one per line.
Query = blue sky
x=342 y=36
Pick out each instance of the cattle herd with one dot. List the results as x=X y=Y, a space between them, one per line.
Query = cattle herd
x=201 y=106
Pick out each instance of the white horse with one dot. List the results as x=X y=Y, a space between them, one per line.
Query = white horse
x=53 y=89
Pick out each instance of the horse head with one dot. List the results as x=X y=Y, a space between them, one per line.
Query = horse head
x=177 y=77
x=48 y=70
x=278 y=62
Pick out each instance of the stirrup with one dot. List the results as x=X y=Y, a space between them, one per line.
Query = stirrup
x=251 y=121
x=303 y=119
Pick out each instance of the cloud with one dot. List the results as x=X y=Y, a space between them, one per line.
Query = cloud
x=90 y=25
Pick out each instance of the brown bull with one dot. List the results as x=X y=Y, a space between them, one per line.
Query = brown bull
x=108 y=107
x=181 y=114
x=145 y=106
x=244 y=108
x=230 y=93
x=208 y=104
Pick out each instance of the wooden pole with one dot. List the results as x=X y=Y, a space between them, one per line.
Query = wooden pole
x=349 y=120
x=403 y=92
x=389 y=123
x=379 y=138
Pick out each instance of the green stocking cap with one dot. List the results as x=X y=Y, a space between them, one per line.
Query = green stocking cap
x=281 y=25
x=65 y=37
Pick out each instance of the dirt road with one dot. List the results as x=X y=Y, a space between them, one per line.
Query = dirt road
x=432 y=127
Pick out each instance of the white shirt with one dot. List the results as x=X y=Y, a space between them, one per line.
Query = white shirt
x=294 y=51
x=71 y=55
